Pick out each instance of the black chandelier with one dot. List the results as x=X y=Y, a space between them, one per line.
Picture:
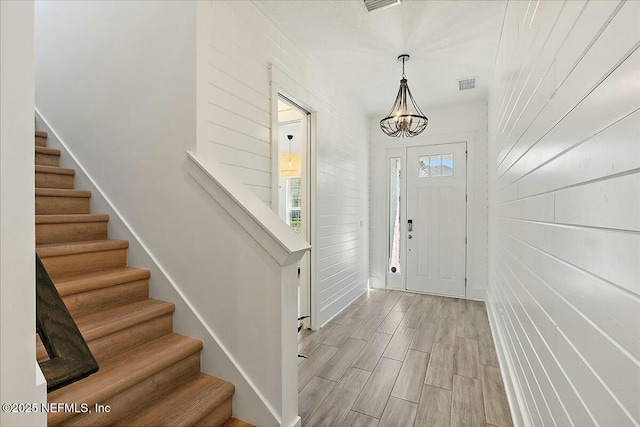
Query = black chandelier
x=405 y=117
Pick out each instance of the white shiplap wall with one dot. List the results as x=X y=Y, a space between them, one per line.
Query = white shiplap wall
x=564 y=215
x=243 y=54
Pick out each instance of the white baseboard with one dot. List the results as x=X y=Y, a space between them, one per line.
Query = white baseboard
x=507 y=369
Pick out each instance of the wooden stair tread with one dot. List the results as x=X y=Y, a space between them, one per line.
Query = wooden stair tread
x=70 y=218
x=109 y=321
x=106 y=322
x=123 y=371
x=40 y=138
x=59 y=249
x=47 y=150
x=234 y=422
x=71 y=227
x=55 y=170
x=45 y=156
x=99 y=279
x=58 y=192
x=185 y=405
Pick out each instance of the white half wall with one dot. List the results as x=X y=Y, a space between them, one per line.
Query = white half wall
x=243 y=60
x=564 y=189
x=458 y=123
x=20 y=379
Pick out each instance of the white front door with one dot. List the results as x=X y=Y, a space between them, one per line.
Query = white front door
x=436 y=219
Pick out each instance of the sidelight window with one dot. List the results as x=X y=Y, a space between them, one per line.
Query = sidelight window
x=395 y=186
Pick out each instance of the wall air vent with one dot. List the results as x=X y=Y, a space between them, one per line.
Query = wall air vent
x=379 y=4
x=468 y=83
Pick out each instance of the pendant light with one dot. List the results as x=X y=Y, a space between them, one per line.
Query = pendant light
x=290 y=162
x=405 y=117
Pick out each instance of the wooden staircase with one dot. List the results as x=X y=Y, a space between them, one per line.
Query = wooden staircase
x=149 y=376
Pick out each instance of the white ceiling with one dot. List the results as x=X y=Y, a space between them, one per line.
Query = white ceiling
x=447 y=41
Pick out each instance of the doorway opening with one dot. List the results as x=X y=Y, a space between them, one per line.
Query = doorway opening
x=293 y=198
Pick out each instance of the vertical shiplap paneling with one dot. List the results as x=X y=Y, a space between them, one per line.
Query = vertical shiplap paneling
x=242 y=46
x=564 y=197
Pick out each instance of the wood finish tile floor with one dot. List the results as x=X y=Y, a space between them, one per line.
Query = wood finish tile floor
x=400 y=359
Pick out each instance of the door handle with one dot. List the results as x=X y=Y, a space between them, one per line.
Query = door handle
x=410 y=225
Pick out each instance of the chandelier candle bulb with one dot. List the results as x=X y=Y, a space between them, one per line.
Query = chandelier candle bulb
x=405 y=117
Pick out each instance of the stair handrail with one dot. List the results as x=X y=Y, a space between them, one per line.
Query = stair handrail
x=70 y=358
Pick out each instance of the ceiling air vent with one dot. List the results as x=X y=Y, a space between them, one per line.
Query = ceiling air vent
x=468 y=83
x=379 y=4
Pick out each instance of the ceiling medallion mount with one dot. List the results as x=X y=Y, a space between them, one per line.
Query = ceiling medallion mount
x=405 y=117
